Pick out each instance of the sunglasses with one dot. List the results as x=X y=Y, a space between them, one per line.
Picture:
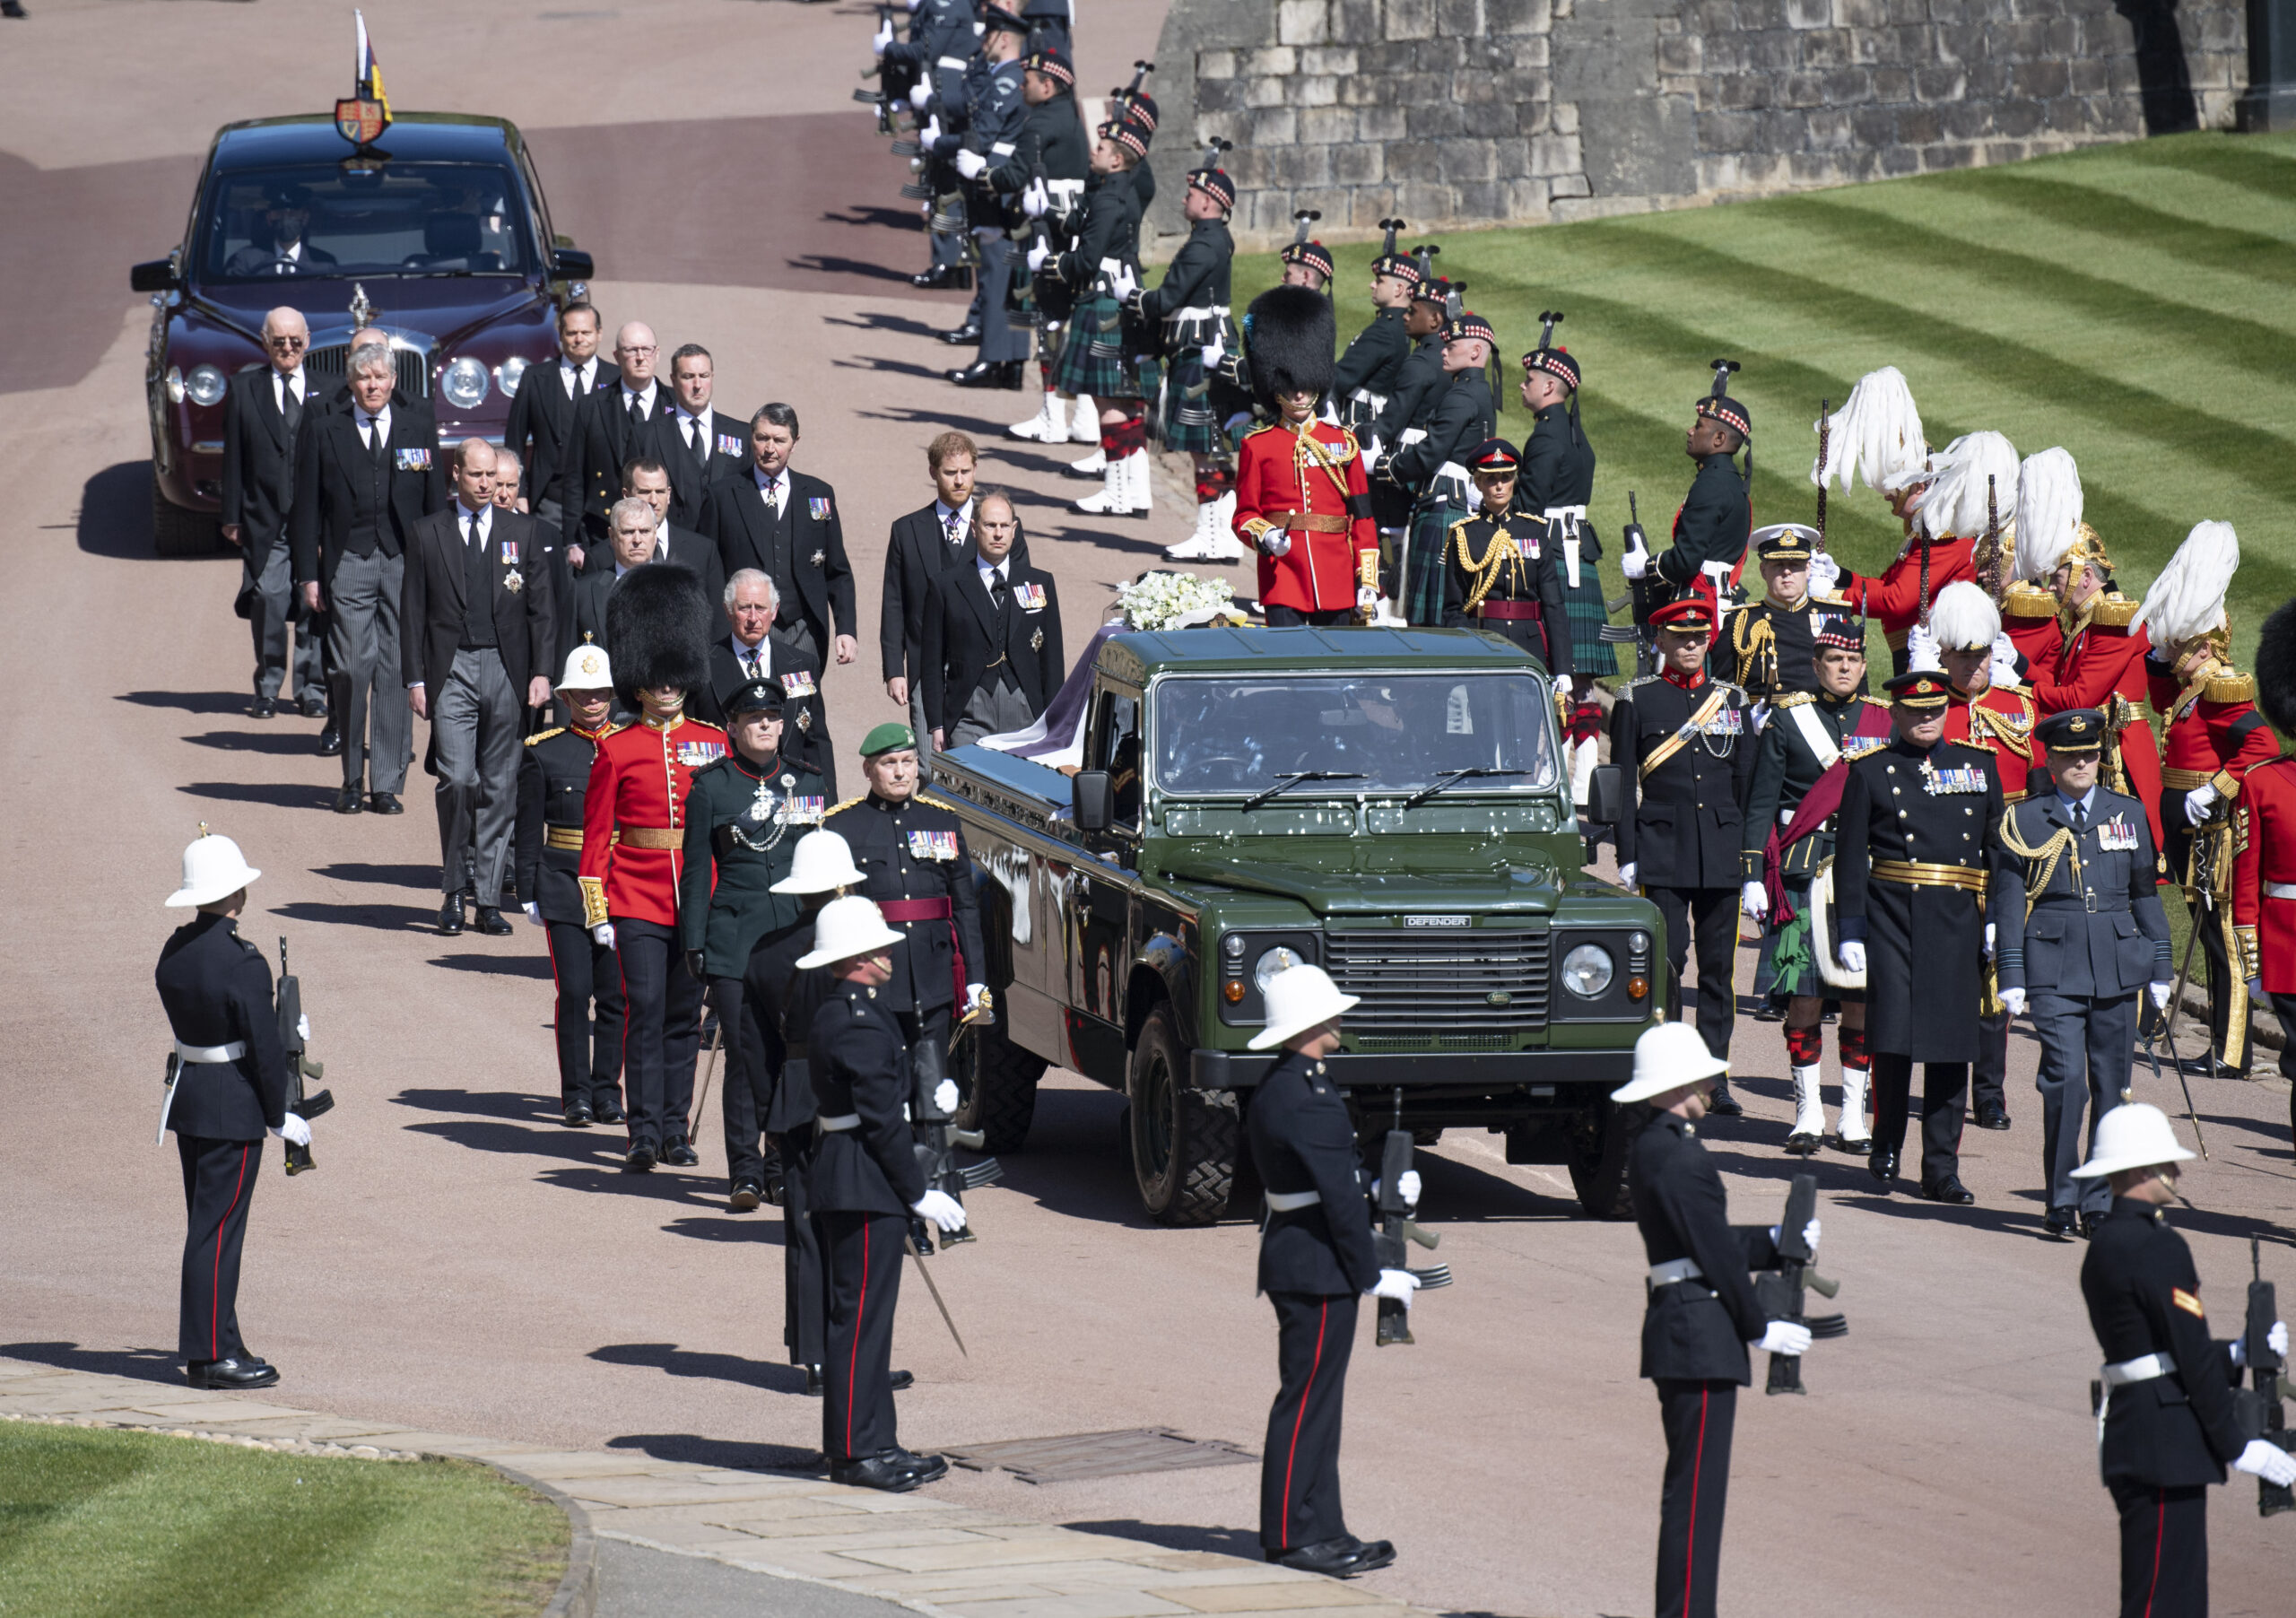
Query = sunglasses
x=290 y=343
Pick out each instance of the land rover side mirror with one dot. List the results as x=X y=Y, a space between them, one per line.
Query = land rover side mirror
x=568 y=264
x=1605 y=795
x=157 y=276
x=1095 y=799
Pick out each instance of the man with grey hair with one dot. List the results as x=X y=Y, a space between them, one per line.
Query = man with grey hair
x=634 y=531
x=508 y=470
x=362 y=480
x=751 y=652
x=263 y=414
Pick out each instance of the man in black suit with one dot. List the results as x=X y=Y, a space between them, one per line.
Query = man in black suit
x=992 y=655
x=261 y=414
x=634 y=545
x=615 y=425
x=478 y=634
x=546 y=423
x=786 y=526
x=285 y=252
x=749 y=653
x=925 y=543
x=648 y=479
x=362 y=481
x=699 y=444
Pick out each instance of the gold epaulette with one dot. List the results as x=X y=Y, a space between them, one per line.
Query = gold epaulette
x=1833 y=599
x=1264 y=427
x=2115 y=611
x=847 y=804
x=2230 y=685
x=2027 y=600
x=1792 y=699
x=544 y=735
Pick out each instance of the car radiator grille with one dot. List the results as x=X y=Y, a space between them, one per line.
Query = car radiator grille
x=1469 y=981
x=330 y=362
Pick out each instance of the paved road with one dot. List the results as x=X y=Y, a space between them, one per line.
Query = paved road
x=462 y=1263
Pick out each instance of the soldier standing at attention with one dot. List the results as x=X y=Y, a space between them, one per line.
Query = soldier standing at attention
x=1716 y=515
x=865 y=1182
x=1316 y=1260
x=1558 y=479
x=2075 y=869
x=553 y=777
x=1464 y=415
x=1367 y=372
x=230 y=1086
x=1188 y=313
x=1686 y=751
x=1500 y=573
x=1912 y=848
x=742 y=821
x=1094 y=272
x=1702 y=1316
x=2168 y=1428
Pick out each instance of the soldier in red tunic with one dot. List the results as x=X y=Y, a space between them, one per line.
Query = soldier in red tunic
x=2213 y=737
x=2264 y=841
x=1301 y=499
x=1958 y=494
x=658 y=621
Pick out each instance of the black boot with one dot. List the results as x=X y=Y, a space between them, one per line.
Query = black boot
x=990 y=373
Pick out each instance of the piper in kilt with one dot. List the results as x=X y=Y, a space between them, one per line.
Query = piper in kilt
x=1559 y=476
x=1097 y=272
x=1186 y=321
x=1800 y=767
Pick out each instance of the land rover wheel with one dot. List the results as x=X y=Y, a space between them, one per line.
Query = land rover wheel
x=1600 y=1139
x=176 y=532
x=1000 y=1089
x=1183 y=1139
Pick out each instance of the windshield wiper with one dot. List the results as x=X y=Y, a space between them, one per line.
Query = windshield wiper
x=1444 y=783
x=1285 y=783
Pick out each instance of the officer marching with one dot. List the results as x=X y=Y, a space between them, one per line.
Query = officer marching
x=1501 y=571
x=553 y=775
x=1703 y=1316
x=227 y=1086
x=2074 y=873
x=1316 y=1261
x=865 y=1181
x=2168 y=1428
x=744 y=818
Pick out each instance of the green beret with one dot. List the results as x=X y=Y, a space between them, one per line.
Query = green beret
x=888 y=738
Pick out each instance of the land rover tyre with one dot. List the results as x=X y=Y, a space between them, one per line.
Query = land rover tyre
x=176 y=532
x=1600 y=1140
x=1183 y=1140
x=1000 y=1089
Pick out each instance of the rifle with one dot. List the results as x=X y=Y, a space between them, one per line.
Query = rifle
x=299 y=1065
x=2256 y=1406
x=1825 y=438
x=1647 y=593
x=937 y=1143
x=1781 y=1293
x=892 y=84
x=1396 y=1229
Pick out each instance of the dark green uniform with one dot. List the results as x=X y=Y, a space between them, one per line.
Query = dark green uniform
x=1787 y=763
x=1433 y=470
x=1710 y=529
x=1369 y=371
x=1559 y=471
x=1500 y=576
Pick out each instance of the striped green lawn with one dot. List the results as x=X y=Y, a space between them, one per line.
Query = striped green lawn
x=2136 y=304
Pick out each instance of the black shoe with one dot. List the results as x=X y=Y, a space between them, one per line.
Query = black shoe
x=927 y=1467
x=348 y=800
x=679 y=1153
x=609 y=1112
x=385 y=803
x=330 y=740
x=2060 y=1224
x=312 y=708
x=745 y=1199
x=640 y=1161
x=1341 y=1558
x=1950 y=1190
x=945 y=278
x=1804 y=1144
x=1722 y=1104
x=451 y=915
x=490 y=923
x=1883 y=1162
x=1858 y=1148
x=901 y=1381
x=876 y=1472
x=577 y=1115
x=1767 y=1012
x=812 y=1382
x=990 y=373
x=249 y=1372
x=1992 y=1118
x=265 y=708
x=964 y=336
x=2088 y=1223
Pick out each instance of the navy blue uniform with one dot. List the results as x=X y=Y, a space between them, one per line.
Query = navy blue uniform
x=913 y=855
x=547 y=857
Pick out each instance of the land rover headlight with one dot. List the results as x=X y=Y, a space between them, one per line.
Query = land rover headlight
x=1282 y=958
x=205 y=384
x=1588 y=971
x=464 y=383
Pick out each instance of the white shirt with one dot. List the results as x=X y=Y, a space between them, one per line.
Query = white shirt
x=282 y=385
x=463 y=513
x=694 y=430
x=774 y=486
x=577 y=378
x=369 y=425
x=645 y=399
x=991 y=572
x=961 y=515
x=762 y=651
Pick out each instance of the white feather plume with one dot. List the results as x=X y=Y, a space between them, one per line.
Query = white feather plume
x=1876 y=434
x=2049 y=511
x=1955 y=502
x=2188 y=599
x=1963 y=617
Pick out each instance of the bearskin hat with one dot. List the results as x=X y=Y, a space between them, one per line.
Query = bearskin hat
x=2277 y=667
x=659 y=621
x=1289 y=332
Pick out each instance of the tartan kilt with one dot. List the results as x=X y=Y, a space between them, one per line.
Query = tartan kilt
x=1092 y=359
x=1795 y=960
x=1583 y=607
x=1190 y=421
x=1421 y=601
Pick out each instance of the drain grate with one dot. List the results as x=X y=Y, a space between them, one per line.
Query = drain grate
x=1083 y=1454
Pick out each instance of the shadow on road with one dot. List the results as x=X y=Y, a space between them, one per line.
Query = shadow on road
x=190 y=701
x=279 y=795
x=884 y=217
x=387 y=918
x=837 y=264
x=691 y=1187
x=901 y=325
x=486 y=1103
x=143 y=1364
x=486 y=1134
x=279 y=744
x=672 y=1361
x=766 y=1228
x=725 y=1454
x=499 y=966
x=395 y=876
x=1178 y=1536
x=116 y=515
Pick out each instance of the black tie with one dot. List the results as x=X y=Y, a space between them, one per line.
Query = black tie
x=630 y=409
x=697 y=441
x=380 y=445
x=470 y=526
x=290 y=405
x=2080 y=818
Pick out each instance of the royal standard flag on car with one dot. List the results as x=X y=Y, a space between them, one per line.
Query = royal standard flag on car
x=370 y=74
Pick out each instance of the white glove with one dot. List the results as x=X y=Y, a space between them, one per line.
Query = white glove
x=931 y=133
x=1825 y=573
x=921 y=93
x=1783 y=1338
x=1124 y=281
x=1215 y=351
x=2160 y=993
x=296 y=1131
x=2004 y=661
x=1400 y=1284
x=1753 y=898
x=1038 y=254
x=1275 y=542
x=1626 y=874
x=303 y=1026
x=944 y=1096
x=2198 y=802
x=1035 y=200
x=941 y=1208
x=883 y=38
x=2012 y=1001
x=1407 y=1182
x=971 y=164
x=602 y=934
x=534 y=912
x=1809 y=1235
x=2277 y=1340
x=1921 y=648
x=976 y=998
x=1634 y=564
x=2269 y=1462
x=1853 y=954
x=1988 y=941
x=1366 y=596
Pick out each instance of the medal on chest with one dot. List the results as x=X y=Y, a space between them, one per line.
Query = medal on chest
x=1945 y=783
x=933 y=845
x=2118 y=834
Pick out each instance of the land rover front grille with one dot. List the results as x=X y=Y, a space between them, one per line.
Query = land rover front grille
x=1442 y=981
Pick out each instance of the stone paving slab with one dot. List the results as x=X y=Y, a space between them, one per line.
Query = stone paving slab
x=910 y=1549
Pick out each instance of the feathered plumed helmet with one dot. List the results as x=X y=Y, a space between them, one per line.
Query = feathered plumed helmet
x=2187 y=602
x=1963 y=617
x=2050 y=529
x=1957 y=490
x=1875 y=435
x=659 y=621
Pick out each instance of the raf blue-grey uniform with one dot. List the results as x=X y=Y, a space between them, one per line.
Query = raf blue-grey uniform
x=2078 y=925
x=942 y=44
x=994 y=119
